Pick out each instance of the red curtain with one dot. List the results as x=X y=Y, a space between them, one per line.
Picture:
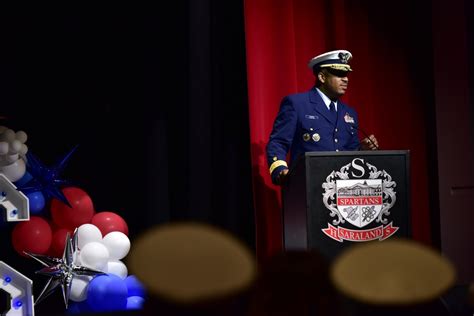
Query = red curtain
x=281 y=37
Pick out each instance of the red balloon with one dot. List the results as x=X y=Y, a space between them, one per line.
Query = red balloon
x=54 y=227
x=80 y=213
x=58 y=242
x=109 y=222
x=32 y=236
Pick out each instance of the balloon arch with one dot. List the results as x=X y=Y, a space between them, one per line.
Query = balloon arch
x=102 y=237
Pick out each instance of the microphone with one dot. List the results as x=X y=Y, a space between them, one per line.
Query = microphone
x=366 y=136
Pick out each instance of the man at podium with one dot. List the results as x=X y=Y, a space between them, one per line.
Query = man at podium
x=316 y=120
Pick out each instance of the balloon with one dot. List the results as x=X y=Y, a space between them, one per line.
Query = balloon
x=11 y=158
x=4 y=148
x=118 y=245
x=78 y=307
x=107 y=293
x=24 y=150
x=135 y=302
x=73 y=308
x=81 y=212
x=14 y=171
x=109 y=222
x=8 y=135
x=21 y=136
x=134 y=286
x=87 y=233
x=117 y=268
x=33 y=236
x=15 y=146
x=79 y=288
x=94 y=255
x=27 y=177
x=37 y=202
x=58 y=242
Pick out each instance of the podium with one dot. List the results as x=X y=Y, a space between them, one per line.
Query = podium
x=332 y=200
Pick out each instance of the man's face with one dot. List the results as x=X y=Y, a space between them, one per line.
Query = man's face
x=333 y=82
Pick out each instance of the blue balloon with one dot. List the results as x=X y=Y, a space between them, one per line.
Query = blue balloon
x=23 y=180
x=37 y=202
x=135 y=302
x=134 y=286
x=107 y=293
x=75 y=308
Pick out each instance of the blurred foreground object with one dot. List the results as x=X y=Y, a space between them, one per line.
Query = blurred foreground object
x=393 y=273
x=191 y=268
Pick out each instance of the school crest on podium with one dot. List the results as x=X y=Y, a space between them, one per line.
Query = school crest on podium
x=359 y=198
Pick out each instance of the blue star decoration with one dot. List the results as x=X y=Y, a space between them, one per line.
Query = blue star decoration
x=47 y=179
x=61 y=271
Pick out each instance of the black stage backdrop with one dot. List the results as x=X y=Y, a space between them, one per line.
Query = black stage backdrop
x=156 y=101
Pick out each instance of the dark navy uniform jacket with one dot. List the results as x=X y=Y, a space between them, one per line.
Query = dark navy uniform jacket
x=304 y=124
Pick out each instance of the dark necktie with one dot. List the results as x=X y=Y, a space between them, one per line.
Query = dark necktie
x=332 y=110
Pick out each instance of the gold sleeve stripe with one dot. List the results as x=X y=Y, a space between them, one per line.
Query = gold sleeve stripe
x=277 y=164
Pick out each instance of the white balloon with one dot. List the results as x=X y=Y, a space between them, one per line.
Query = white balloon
x=94 y=255
x=87 y=233
x=12 y=158
x=21 y=136
x=118 y=245
x=3 y=161
x=23 y=150
x=14 y=171
x=3 y=148
x=15 y=147
x=118 y=268
x=8 y=135
x=79 y=288
x=3 y=129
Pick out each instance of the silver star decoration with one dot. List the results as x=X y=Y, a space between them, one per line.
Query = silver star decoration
x=61 y=270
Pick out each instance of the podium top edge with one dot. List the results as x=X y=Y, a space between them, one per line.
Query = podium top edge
x=357 y=152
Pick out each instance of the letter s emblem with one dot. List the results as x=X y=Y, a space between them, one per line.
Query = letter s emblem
x=358 y=167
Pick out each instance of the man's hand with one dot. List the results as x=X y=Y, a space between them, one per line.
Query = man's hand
x=369 y=143
x=282 y=177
